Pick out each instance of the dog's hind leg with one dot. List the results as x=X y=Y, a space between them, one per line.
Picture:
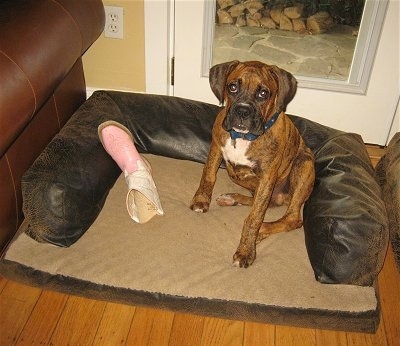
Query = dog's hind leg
x=233 y=199
x=301 y=182
x=290 y=221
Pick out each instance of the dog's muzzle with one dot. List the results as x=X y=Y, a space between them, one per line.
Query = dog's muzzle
x=243 y=110
x=243 y=117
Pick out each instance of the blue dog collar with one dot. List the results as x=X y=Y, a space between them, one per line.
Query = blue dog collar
x=251 y=136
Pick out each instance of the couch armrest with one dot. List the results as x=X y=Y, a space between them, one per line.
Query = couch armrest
x=40 y=41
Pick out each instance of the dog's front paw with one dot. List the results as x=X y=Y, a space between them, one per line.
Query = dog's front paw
x=200 y=207
x=200 y=204
x=243 y=260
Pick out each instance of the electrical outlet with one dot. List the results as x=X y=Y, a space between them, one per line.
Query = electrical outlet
x=114 y=27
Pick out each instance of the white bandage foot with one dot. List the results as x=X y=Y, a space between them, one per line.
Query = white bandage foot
x=142 y=200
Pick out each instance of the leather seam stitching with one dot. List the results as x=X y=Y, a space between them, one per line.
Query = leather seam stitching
x=28 y=80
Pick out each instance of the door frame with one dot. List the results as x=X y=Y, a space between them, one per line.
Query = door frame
x=159 y=28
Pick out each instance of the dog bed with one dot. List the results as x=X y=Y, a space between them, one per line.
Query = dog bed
x=388 y=171
x=343 y=242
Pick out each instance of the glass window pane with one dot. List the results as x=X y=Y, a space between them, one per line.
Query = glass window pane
x=311 y=38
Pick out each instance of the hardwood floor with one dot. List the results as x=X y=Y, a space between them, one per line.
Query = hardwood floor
x=33 y=316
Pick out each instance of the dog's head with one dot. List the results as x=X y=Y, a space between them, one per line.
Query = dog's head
x=252 y=93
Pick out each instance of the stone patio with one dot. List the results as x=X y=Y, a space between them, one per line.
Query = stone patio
x=327 y=55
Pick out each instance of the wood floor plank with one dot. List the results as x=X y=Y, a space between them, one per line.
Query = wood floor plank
x=43 y=320
x=375 y=153
x=222 y=332
x=389 y=292
x=186 y=329
x=150 y=327
x=115 y=325
x=16 y=305
x=330 y=338
x=258 y=334
x=79 y=322
x=287 y=336
x=365 y=339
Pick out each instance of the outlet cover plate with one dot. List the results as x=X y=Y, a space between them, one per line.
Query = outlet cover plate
x=114 y=27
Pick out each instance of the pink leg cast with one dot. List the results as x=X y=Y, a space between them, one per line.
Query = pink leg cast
x=142 y=200
x=119 y=145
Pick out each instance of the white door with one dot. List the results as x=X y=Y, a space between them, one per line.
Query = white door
x=368 y=113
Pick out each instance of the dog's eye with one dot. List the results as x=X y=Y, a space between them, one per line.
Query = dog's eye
x=263 y=94
x=233 y=88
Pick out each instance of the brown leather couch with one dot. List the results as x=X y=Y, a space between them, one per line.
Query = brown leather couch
x=41 y=85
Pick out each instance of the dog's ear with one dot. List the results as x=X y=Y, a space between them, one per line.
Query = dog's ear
x=218 y=75
x=287 y=85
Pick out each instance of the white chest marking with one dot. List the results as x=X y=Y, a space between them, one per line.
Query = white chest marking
x=237 y=154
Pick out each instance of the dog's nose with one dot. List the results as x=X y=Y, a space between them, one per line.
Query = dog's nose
x=243 y=110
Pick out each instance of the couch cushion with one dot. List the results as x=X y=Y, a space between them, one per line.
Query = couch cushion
x=344 y=219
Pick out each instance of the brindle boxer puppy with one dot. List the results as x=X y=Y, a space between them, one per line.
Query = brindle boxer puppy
x=263 y=151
